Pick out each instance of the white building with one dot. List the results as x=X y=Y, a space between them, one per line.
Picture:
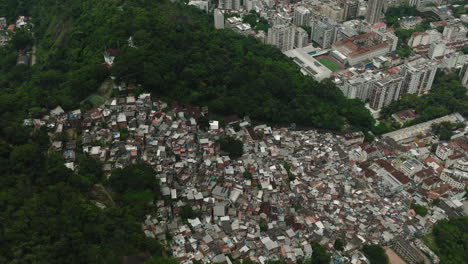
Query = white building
x=438 y=48
x=301 y=16
x=443 y=151
x=323 y=32
x=229 y=4
x=374 y=11
x=301 y=38
x=385 y=90
x=464 y=74
x=282 y=36
x=201 y=4
x=419 y=75
x=356 y=85
x=218 y=19
x=307 y=63
x=455 y=31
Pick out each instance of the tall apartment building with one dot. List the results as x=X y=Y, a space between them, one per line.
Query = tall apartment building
x=218 y=18
x=438 y=48
x=323 y=32
x=350 y=9
x=301 y=38
x=464 y=74
x=374 y=11
x=384 y=91
x=333 y=11
x=418 y=76
x=358 y=86
x=282 y=36
x=455 y=31
x=249 y=4
x=229 y=4
x=301 y=16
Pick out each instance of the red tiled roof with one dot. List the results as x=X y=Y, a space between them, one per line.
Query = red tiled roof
x=395 y=173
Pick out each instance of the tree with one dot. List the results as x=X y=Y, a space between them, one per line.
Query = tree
x=319 y=255
x=90 y=168
x=187 y=212
x=375 y=254
x=263 y=225
x=232 y=146
x=338 y=245
x=451 y=240
x=419 y=209
x=22 y=39
x=135 y=177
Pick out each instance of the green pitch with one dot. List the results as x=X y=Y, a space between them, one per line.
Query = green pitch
x=329 y=64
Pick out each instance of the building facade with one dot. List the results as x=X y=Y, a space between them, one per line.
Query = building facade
x=323 y=32
x=374 y=11
x=464 y=74
x=218 y=19
x=301 y=38
x=419 y=76
x=301 y=16
x=385 y=91
x=282 y=36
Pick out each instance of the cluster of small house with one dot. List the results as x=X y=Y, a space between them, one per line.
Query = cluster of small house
x=6 y=33
x=290 y=188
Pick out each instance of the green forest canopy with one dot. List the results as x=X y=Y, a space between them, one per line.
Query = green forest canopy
x=451 y=240
x=46 y=215
x=180 y=56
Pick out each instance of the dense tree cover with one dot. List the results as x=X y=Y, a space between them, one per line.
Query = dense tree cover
x=320 y=255
x=394 y=13
x=179 y=55
x=187 y=212
x=419 y=209
x=458 y=8
x=446 y=96
x=375 y=254
x=135 y=186
x=232 y=146
x=46 y=215
x=255 y=21
x=445 y=129
x=338 y=245
x=451 y=240
x=393 y=16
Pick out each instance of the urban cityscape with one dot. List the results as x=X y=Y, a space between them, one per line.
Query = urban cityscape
x=201 y=186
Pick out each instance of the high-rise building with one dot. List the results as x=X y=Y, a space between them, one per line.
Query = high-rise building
x=229 y=4
x=464 y=74
x=201 y=4
x=350 y=9
x=301 y=16
x=358 y=87
x=455 y=31
x=218 y=18
x=437 y=48
x=374 y=11
x=385 y=91
x=333 y=11
x=249 y=4
x=415 y=3
x=282 y=36
x=419 y=75
x=300 y=38
x=323 y=32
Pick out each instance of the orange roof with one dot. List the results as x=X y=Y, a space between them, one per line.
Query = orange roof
x=11 y=27
x=381 y=24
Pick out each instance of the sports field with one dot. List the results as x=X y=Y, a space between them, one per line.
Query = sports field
x=330 y=63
